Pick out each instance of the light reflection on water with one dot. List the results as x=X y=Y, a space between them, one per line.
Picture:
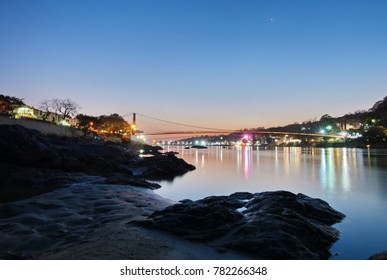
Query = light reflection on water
x=352 y=181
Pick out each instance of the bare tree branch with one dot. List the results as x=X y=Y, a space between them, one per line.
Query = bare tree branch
x=66 y=107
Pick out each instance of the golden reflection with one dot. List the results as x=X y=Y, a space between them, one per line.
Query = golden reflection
x=257 y=153
x=323 y=169
x=369 y=155
x=276 y=157
x=331 y=170
x=239 y=158
x=345 y=170
x=335 y=169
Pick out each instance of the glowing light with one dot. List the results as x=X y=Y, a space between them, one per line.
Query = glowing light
x=64 y=123
x=322 y=131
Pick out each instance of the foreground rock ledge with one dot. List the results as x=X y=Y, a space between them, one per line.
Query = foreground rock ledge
x=268 y=225
x=32 y=163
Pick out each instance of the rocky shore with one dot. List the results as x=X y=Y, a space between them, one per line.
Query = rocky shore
x=33 y=163
x=75 y=199
x=268 y=225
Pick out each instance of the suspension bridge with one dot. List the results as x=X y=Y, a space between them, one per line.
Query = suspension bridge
x=201 y=130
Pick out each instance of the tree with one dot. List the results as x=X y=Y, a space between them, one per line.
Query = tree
x=114 y=122
x=85 y=121
x=375 y=135
x=379 y=111
x=325 y=118
x=46 y=106
x=380 y=106
x=12 y=100
x=66 y=107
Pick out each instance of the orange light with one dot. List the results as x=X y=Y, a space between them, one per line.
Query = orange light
x=91 y=123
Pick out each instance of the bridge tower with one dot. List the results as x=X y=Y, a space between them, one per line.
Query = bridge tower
x=134 y=119
x=133 y=125
x=343 y=124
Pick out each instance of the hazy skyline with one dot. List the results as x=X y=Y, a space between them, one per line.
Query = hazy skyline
x=227 y=64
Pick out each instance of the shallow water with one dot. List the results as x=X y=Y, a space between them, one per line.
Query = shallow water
x=353 y=181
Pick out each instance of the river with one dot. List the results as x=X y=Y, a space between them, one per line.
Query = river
x=353 y=181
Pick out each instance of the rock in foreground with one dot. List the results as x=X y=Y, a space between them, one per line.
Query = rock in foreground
x=268 y=225
x=32 y=163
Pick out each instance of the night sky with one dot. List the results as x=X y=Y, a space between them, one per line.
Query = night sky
x=228 y=64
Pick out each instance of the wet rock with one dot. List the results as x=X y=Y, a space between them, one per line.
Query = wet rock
x=282 y=225
x=274 y=225
x=379 y=256
x=123 y=179
x=164 y=166
x=32 y=163
x=194 y=220
x=21 y=182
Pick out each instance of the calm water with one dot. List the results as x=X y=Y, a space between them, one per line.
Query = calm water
x=353 y=181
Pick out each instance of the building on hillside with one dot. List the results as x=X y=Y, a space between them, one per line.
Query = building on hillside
x=24 y=112
x=28 y=112
x=5 y=108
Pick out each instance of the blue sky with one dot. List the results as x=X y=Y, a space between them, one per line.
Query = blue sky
x=229 y=64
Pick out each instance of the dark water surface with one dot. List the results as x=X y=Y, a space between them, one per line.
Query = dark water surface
x=353 y=181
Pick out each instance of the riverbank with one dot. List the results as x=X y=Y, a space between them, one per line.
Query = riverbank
x=89 y=220
x=33 y=163
x=92 y=220
x=72 y=199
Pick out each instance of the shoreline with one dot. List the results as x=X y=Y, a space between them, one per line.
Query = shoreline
x=33 y=163
x=66 y=198
x=72 y=219
x=61 y=226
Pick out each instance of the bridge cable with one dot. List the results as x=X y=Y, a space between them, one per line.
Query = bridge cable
x=181 y=124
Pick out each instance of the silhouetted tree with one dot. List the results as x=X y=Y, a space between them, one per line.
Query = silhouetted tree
x=379 y=111
x=114 y=122
x=47 y=107
x=12 y=100
x=375 y=135
x=66 y=107
x=85 y=121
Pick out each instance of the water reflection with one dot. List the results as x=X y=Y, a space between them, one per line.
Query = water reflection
x=334 y=166
x=351 y=180
x=247 y=162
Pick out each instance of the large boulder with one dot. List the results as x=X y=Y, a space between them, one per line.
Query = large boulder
x=163 y=166
x=268 y=225
x=32 y=163
x=379 y=256
x=29 y=148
